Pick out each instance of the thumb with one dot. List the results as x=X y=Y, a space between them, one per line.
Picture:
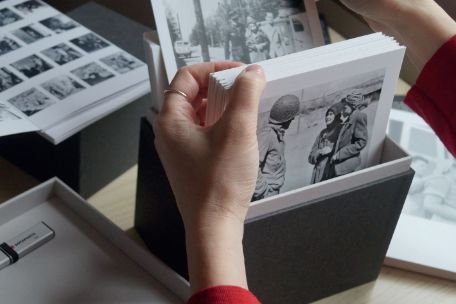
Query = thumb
x=241 y=113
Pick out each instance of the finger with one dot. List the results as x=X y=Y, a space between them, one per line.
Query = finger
x=241 y=114
x=193 y=81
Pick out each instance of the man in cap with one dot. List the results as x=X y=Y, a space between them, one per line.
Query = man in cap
x=235 y=46
x=353 y=135
x=271 y=144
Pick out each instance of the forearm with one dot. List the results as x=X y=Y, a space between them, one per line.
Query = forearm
x=423 y=26
x=215 y=254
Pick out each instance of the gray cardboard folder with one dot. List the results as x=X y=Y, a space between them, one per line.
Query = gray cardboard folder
x=300 y=253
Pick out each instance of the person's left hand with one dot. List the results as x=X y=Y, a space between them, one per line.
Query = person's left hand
x=212 y=169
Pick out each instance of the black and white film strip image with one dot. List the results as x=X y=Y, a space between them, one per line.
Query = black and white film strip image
x=316 y=133
x=6 y=114
x=63 y=86
x=7 y=45
x=8 y=79
x=92 y=73
x=31 y=66
x=247 y=30
x=31 y=102
x=121 y=62
x=432 y=194
x=29 y=7
x=7 y=16
x=59 y=24
x=30 y=33
x=62 y=54
x=90 y=43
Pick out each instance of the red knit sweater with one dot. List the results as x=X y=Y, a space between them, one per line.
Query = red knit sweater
x=433 y=97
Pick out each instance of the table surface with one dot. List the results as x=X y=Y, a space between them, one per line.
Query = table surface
x=116 y=201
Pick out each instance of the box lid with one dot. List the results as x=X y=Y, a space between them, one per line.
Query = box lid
x=90 y=260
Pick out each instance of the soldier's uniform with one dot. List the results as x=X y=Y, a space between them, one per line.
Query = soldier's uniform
x=271 y=145
x=271 y=172
x=258 y=45
x=235 y=45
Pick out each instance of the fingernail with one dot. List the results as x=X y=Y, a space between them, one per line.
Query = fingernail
x=255 y=68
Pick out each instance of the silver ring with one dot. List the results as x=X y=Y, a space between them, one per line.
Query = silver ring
x=169 y=91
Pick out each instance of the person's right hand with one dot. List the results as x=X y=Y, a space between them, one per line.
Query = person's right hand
x=422 y=25
x=325 y=150
x=379 y=13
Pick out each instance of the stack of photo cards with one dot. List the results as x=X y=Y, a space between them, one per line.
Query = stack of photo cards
x=323 y=113
x=56 y=76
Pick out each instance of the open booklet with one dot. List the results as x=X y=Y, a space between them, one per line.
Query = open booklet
x=56 y=76
x=323 y=113
x=425 y=237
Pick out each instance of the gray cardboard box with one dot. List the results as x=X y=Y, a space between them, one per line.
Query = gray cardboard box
x=299 y=247
x=101 y=152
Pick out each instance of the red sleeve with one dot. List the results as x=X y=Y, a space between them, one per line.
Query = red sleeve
x=433 y=96
x=223 y=295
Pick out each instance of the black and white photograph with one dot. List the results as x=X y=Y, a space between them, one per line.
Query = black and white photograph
x=59 y=24
x=242 y=30
x=32 y=66
x=316 y=133
x=122 y=62
x=92 y=73
x=8 y=79
x=31 y=101
x=432 y=194
x=7 y=45
x=29 y=7
x=7 y=16
x=30 y=33
x=62 y=86
x=62 y=54
x=6 y=114
x=90 y=43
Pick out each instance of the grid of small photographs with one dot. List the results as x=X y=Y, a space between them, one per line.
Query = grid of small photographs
x=58 y=87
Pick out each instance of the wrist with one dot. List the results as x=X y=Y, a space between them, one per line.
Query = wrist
x=215 y=253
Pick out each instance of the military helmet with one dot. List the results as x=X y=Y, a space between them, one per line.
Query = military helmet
x=284 y=109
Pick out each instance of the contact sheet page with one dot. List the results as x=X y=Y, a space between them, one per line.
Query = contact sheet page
x=53 y=68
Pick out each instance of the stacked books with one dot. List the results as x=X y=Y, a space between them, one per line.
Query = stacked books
x=323 y=113
x=56 y=76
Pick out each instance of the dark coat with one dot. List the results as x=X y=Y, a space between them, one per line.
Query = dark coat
x=352 y=140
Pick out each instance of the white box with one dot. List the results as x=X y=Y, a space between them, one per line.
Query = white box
x=90 y=260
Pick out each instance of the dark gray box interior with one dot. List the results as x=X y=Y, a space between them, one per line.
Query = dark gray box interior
x=101 y=152
x=298 y=255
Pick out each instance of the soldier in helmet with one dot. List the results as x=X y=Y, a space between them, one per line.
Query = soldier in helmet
x=272 y=167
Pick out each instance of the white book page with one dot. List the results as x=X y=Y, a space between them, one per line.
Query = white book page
x=56 y=66
x=13 y=121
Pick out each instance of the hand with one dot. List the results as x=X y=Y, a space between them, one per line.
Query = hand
x=325 y=150
x=422 y=25
x=335 y=157
x=212 y=170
